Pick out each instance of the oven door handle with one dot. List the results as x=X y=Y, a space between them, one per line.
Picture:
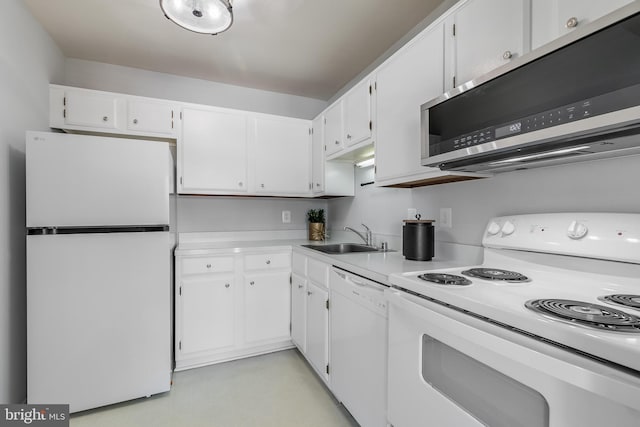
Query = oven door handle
x=520 y=357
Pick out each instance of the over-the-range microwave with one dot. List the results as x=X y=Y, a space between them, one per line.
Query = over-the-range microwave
x=577 y=98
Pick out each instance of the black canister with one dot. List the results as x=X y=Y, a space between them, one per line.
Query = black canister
x=417 y=239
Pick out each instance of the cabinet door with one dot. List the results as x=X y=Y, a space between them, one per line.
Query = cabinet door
x=282 y=156
x=299 y=312
x=267 y=305
x=212 y=153
x=205 y=314
x=91 y=109
x=317 y=156
x=318 y=328
x=357 y=113
x=409 y=79
x=150 y=117
x=554 y=18
x=487 y=34
x=333 y=125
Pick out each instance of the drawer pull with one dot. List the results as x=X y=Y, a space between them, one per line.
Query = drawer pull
x=252 y=283
x=226 y=285
x=208 y=265
x=299 y=286
x=268 y=261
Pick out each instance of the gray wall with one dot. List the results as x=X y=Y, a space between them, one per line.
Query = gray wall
x=196 y=213
x=29 y=59
x=598 y=186
x=116 y=78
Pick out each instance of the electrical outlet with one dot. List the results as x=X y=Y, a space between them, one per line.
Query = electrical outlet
x=411 y=213
x=286 y=217
x=446 y=218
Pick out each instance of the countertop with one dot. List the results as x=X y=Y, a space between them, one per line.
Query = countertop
x=373 y=265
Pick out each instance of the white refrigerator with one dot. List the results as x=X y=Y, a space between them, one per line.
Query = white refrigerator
x=98 y=269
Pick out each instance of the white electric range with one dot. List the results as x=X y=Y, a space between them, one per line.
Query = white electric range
x=546 y=332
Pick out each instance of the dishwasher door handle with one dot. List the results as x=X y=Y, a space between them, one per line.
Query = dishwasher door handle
x=351 y=280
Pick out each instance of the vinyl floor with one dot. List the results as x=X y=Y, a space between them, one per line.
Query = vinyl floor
x=273 y=390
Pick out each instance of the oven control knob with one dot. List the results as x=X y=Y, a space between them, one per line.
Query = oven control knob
x=508 y=228
x=493 y=228
x=577 y=230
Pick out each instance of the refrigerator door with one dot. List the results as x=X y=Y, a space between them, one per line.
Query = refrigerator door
x=98 y=325
x=86 y=181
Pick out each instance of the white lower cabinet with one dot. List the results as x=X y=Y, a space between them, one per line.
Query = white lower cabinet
x=231 y=304
x=207 y=309
x=299 y=312
x=267 y=306
x=318 y=329
x=310 y=311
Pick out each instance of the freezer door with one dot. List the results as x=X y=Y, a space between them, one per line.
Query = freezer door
x=79 y=180
x=98 y=318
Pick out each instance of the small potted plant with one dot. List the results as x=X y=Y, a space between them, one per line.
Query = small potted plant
x=316 y=224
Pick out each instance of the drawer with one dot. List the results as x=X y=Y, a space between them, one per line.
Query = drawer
x=268 y=261
x=210 y=264
x=299 y=264
x=318 y=272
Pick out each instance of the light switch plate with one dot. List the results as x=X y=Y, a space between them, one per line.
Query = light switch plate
x=286 y=217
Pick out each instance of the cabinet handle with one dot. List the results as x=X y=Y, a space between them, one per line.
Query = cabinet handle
x=572 y=22
x=252 y=283
x=309 y=292
x=317 y=184
x=226 y=285
x=268 y=261
x=240 y=184
x=337 y=142
x=507 y=55
x=208 y=265
x=135 y=121
x=299 y=286
x=105 y=119
x=262 y=185
x=348 y=136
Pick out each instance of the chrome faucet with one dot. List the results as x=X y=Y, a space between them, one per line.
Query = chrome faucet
x=366 y=236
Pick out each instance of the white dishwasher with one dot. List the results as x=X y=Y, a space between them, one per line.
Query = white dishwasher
x=358 y=363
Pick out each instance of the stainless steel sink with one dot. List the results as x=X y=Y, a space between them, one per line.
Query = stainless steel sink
x=342 y=248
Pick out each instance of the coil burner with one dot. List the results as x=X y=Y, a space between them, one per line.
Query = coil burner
x=587 y=314
x=496 y=274
x=445 y=279
x=631 y=301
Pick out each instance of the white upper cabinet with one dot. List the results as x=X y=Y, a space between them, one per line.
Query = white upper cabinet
x=358 y=122
x=281 y=155
x=483 y=35
x=212 y=152
x=150 y=116
x=554 y=18
x=91 y=109
x=410 y=78
x=333 y=126
x=317 y=156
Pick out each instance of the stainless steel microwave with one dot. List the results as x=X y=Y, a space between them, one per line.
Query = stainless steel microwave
x=577 y=98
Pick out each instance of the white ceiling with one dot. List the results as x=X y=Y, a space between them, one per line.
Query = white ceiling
x=302 y=47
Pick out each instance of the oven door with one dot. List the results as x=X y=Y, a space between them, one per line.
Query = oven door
x=447 y=368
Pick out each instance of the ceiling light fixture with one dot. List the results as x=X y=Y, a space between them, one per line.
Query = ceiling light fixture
x=199 y=16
